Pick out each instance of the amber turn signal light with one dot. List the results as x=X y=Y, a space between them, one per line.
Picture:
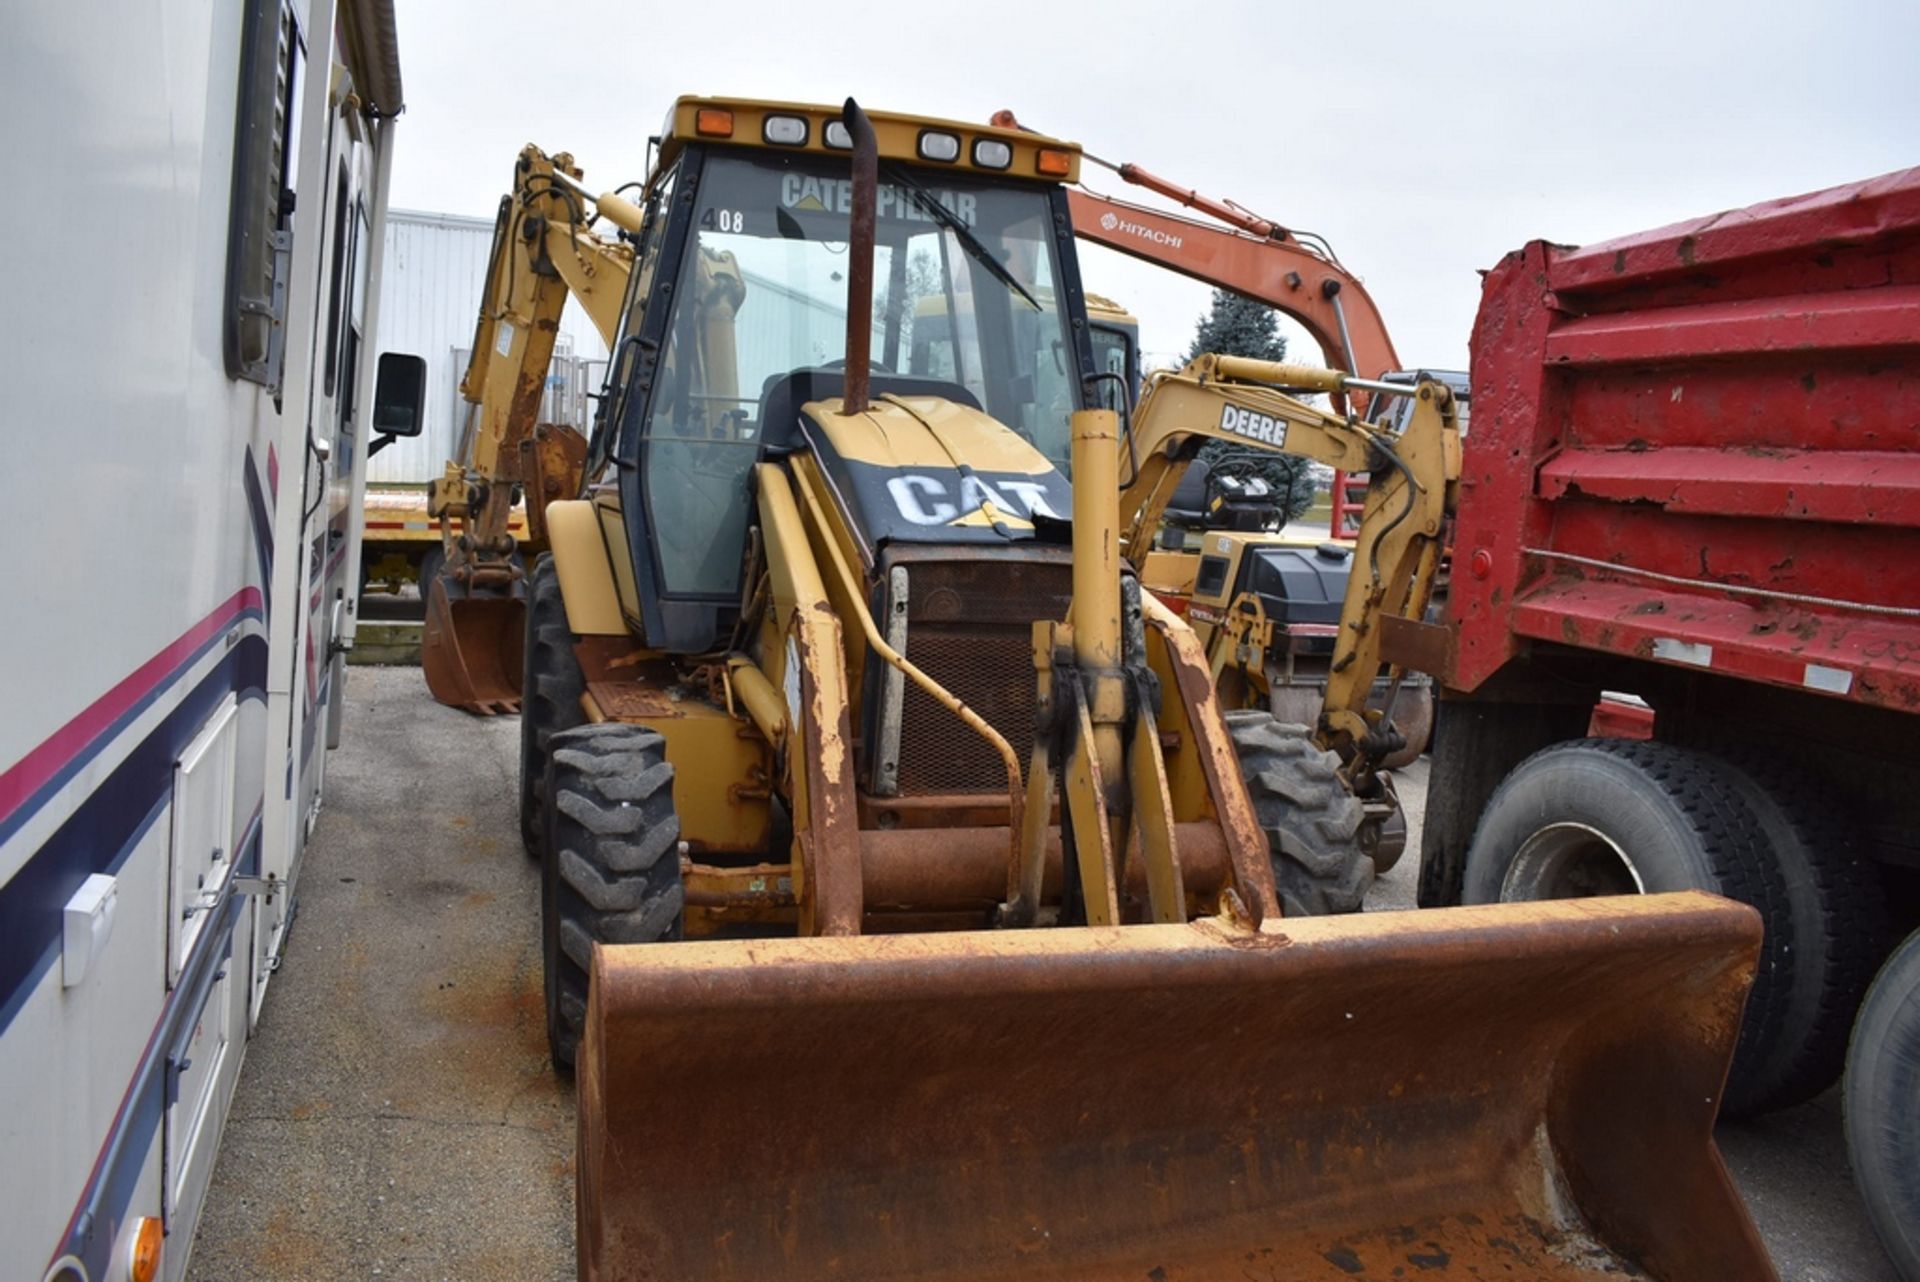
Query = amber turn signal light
x=713 y=122
x=143 y=1256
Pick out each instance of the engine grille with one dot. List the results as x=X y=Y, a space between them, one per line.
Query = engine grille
x=970 y=627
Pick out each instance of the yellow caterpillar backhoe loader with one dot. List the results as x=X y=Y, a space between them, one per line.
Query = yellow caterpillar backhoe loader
x=830 y=649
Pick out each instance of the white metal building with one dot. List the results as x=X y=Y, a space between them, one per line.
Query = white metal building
x=435 y=268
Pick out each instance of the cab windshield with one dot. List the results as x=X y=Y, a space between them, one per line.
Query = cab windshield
x=762 y=292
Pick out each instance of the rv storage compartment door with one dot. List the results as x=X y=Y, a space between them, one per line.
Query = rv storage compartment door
x=203 y=854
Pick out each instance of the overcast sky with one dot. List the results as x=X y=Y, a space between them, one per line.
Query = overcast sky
x=1424 y=141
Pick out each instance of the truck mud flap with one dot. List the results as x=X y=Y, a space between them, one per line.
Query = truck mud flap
x=472 y=649
x=1509 y=1091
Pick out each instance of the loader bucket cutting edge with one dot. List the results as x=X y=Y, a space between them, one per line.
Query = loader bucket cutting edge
x=1513 y=1091
x=471 y=649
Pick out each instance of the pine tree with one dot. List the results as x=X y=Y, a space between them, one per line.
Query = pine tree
x=1238 y=326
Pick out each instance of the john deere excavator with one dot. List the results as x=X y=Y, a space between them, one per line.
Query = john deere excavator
x=912 y=909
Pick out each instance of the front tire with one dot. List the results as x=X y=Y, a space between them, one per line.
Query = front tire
x=612 y=869
x=1622 y=817
x=1312 y=822
x=1882 y=1083
x=551 y=688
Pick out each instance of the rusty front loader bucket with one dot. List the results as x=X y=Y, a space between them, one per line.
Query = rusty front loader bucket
x=471 y=648
x=1509 y=1092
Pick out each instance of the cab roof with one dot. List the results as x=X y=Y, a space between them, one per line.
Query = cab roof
x=756 y=123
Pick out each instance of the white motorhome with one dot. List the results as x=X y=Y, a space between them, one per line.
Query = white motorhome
x=186 y=352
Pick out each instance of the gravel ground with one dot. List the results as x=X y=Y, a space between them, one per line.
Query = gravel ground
x=396 y=1116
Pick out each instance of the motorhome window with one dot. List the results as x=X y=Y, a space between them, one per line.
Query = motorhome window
x=356 y=320
x=260 y=215
x=762 y=292
x=342 y=251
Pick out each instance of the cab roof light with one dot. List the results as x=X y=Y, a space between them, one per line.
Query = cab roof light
x=837 y=136
x=936 y=145
x=785 y=131
x=991 y=153
x=713 y=122
x=1052 y=163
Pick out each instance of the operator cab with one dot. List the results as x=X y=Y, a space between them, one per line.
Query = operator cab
x=738 y=320
x=1394 y=410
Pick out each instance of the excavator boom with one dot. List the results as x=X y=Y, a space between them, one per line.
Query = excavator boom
x=544 y=250
x=1242 y=252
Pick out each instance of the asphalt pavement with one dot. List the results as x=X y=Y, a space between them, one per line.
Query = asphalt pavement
x=396 y=1116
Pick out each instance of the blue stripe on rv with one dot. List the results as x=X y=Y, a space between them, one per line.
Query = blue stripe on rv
x=97 y=837
x=97 y=742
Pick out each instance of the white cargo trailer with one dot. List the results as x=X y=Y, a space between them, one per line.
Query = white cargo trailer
x=184 y=380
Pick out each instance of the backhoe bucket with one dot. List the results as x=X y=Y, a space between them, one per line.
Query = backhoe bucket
x=472 y=648
x=1518 y=1091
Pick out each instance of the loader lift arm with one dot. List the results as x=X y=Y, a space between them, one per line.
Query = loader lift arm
x=1236 y=399
x=544 y=249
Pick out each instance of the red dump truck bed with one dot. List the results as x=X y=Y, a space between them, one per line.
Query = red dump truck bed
x=1700 y=446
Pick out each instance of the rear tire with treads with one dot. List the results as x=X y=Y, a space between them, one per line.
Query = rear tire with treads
x=611 y=874
x=1883 y=1131
x=1312 y=822
x=552 y=686
x=1837 y=902
x=1620 y=816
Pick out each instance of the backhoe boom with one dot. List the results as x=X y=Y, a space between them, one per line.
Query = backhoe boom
x=1236 y=399
x=544 y=250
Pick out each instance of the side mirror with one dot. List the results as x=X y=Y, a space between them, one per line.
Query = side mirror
x=399 y=396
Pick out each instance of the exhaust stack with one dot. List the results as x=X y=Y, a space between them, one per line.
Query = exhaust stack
x=866 y=194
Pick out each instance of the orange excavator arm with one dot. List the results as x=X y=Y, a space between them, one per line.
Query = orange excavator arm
x=1244 y=253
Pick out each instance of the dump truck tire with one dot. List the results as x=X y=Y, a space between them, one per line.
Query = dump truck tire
x=1840 y=928
x=1312 y=822
x=550 y=695
x=1883 y=1080
x=1620 y=816
x=611 y=872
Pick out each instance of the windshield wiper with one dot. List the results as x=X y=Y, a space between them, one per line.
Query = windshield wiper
x=933 y=205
